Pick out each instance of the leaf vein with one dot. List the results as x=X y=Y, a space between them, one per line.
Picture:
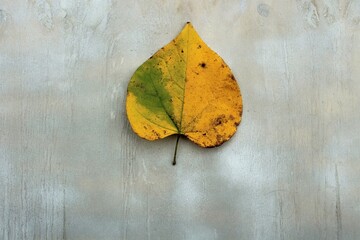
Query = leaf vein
x=162 y=104
x=155 y=123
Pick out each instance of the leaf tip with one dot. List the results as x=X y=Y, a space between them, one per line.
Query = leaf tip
x=188 y=24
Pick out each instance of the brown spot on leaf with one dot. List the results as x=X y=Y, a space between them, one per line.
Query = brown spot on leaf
x=203 y=65
x=155 y=133
x=199 y=46
x=219 y=120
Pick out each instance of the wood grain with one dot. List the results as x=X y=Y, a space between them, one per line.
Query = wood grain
x=71 y=168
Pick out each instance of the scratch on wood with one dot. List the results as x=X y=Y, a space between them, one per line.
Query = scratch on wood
x=286 y=60
x=287 y=72
x=44 y=13
x=125 y=208
x=128 y=173
x=310 y=11
x=338 y=206
x=281 y=216
x=147 y=215
x=4 y=19
x=313 y=16
x=325 y=212
x=64 y=211
x=347 y=7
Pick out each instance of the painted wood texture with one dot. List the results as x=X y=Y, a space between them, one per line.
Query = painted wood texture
x=71 y=168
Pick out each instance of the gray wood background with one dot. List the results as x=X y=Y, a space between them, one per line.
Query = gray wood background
x=71 y=168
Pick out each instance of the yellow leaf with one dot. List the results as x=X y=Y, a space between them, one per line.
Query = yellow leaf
x=187 y=89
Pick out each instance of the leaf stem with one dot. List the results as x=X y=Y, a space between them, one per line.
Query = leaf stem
x=176 y=146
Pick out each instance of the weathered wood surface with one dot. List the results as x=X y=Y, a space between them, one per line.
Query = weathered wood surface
x=71 y=168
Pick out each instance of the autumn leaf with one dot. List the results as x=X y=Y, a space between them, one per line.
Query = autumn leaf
x=185 y=88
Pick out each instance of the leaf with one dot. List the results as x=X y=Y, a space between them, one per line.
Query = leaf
x=185 y=88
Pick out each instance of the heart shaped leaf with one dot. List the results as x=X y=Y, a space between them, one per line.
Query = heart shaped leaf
x=187 y=89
